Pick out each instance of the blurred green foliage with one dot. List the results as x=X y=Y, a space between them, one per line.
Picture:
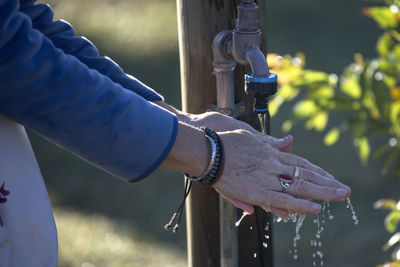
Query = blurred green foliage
x=367 y=95
x=392 y=221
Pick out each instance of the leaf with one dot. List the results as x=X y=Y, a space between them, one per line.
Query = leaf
x=392 y=220
x=311 y=77
x=318 y=121
x=322 y=92
x=363 y=149
x=287 y=126
x=288 y=92
x=384 y=44
x=332 y=136
x=384 y=17
x=305 y=108
x=386 y=204
x=273 y=107
x=351 y=87
x=392 y=241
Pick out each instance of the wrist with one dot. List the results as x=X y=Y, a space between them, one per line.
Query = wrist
x=190 y=153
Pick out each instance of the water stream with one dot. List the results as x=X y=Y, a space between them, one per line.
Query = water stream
x=322 y=217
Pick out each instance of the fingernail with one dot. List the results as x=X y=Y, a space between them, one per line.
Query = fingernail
x=341 y=192
x=316 y=206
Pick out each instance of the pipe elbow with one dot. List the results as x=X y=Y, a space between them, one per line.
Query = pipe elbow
x=257 y=61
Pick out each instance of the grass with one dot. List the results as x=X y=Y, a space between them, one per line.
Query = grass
x=134 y=27
x=96 y=240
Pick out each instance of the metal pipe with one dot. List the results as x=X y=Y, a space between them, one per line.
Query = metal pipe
x=224 y=67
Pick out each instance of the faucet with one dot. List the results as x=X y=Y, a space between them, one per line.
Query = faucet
x=246 y=39
x=243 y=46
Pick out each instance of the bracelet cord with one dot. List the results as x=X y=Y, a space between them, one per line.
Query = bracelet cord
x=209 y=177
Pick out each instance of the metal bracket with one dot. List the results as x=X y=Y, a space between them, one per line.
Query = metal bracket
x=240 y=109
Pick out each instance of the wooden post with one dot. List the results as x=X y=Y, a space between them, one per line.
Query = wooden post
x=198 y=23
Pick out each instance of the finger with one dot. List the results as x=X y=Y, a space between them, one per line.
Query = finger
x=278 y=212
x=304 y=189
x=294 y=160
x=249 y=209
x=285 y=201
x=285 y=144
x=318 y=179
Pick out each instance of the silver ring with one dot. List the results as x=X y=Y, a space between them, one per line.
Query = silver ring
x=296 y=172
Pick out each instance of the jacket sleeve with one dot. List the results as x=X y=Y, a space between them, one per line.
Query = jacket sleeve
x=63 y=36
x=78 y=108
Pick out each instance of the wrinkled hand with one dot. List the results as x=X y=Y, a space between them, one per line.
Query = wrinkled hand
x=252 y=166
x=220 y=122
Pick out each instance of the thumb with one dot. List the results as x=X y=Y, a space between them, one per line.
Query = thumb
x=284 y=144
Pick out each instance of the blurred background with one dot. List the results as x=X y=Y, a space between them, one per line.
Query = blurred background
x=103 y=221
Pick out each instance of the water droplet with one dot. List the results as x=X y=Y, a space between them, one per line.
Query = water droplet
x=265 y=244
x=297 y=237
x=279 y=219
x=353 y=213
x=255 y=255
x=267 y=227
x=251 y=227
x=241 y=218
x=320 y=244
x=266 y=236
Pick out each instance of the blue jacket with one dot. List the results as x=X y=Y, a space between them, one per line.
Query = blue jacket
x=58 y=85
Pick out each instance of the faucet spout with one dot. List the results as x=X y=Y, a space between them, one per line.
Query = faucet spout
x=257 y=61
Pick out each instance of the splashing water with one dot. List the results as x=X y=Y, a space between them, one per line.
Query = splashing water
x=241 y=218
x=299 y=224
x=326 y=207
x=317 y=243
x=353 y=213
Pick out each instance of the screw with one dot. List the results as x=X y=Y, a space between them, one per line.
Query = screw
x=242 y=109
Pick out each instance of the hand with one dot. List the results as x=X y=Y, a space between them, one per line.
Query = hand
x=252 y=166
x=220 y=122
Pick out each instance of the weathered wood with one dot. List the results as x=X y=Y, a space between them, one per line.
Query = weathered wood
x=198 y=23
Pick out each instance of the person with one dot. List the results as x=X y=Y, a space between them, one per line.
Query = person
x=56 y=84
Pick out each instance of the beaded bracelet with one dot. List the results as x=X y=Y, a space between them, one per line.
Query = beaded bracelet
x=209 y=177
x=215 y=167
